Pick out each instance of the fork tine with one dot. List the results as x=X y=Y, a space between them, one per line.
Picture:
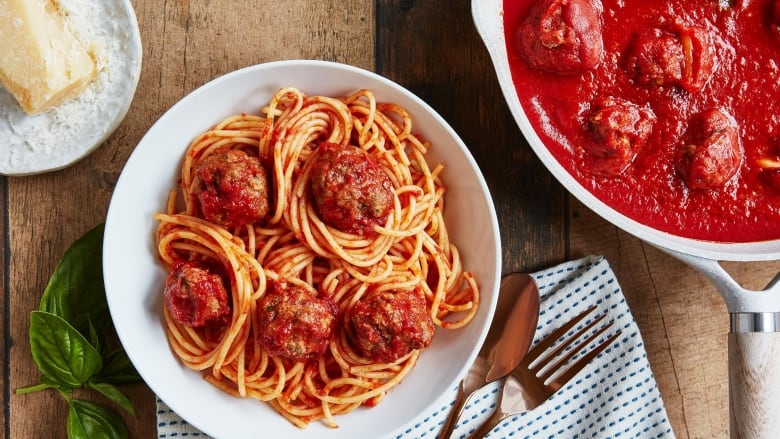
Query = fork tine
x=548 y=341
x=575 y=349
x=575 y=368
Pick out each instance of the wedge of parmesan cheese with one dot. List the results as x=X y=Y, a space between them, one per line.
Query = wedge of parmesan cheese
x=41 y=62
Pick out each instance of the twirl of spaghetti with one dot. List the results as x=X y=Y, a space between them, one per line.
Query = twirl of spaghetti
x=411 y=250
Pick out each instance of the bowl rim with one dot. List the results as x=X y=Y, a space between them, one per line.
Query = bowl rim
x=116 y=212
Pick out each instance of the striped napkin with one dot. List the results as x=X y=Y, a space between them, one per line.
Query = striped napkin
x=616 y=396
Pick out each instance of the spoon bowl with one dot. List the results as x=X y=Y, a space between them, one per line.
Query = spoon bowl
x=507 y=341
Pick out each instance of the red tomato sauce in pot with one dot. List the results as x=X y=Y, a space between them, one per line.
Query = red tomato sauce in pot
x=675 y=125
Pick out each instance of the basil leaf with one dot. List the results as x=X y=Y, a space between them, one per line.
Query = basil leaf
x=69 y=343
x=111 y=392
x=75 y=291
x=87 y=420
x=117 y=369
x=34 y=388
x=62 y=354
x=55 y=385
x=94 y=337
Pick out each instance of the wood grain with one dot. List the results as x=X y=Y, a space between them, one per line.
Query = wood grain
x=681 y=317
x=432 y=48
x=4 y=321
x=185 y=45
x=754 y=385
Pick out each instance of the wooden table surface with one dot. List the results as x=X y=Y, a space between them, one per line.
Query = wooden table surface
x=430 y=47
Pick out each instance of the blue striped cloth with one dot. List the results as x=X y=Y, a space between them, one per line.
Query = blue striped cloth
x=615 y=396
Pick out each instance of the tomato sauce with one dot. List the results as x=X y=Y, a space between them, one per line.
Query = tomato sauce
x=745 y=81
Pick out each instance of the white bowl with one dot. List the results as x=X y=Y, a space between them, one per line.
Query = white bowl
x=489 y=20
x=134 y=279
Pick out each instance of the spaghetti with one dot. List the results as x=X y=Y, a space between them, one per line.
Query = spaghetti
x=409 y=251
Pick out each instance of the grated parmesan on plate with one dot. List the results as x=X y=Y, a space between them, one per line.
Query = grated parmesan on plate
x=68 y=132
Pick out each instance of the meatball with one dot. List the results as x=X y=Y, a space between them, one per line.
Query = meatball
x=656 y=59
x=293 y=323
x=619 y=128
x=233 y=188
x=561 y=36
x=684 y=57
x=388 y=325
x=711 y=152
x=349 y=189
x=195 y=295
x=701 y=58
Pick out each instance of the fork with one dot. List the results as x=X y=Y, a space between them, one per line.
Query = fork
x=538 y=377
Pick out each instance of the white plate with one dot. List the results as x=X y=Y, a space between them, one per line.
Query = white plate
x=63 y=135
x=134 y=279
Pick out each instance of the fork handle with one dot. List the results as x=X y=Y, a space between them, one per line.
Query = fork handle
x=497 y=416
x=489 y=424
x=754 y=384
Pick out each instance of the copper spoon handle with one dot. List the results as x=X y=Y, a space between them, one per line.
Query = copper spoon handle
x=455 y=412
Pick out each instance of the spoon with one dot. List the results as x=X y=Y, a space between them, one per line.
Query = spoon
x=507 y=341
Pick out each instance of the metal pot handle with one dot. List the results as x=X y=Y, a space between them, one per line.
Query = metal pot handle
x=738 y=299
x=754 y=350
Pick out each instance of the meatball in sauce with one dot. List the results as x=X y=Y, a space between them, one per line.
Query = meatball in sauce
x=561 y=36
x=349 y=189
x=195 y=295
x=389 y=325
x=711 y=152
x=294 y=323
x=684 y=57
x=619 y=128
x=233 y=188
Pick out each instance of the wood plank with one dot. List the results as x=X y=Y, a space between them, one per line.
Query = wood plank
x=45 y=217
x=185 y=45
x=635 y=264
x=432 y=48
x=682 y=317
x=4 y=263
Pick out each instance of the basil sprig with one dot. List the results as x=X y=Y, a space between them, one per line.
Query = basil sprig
x=73 y=343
